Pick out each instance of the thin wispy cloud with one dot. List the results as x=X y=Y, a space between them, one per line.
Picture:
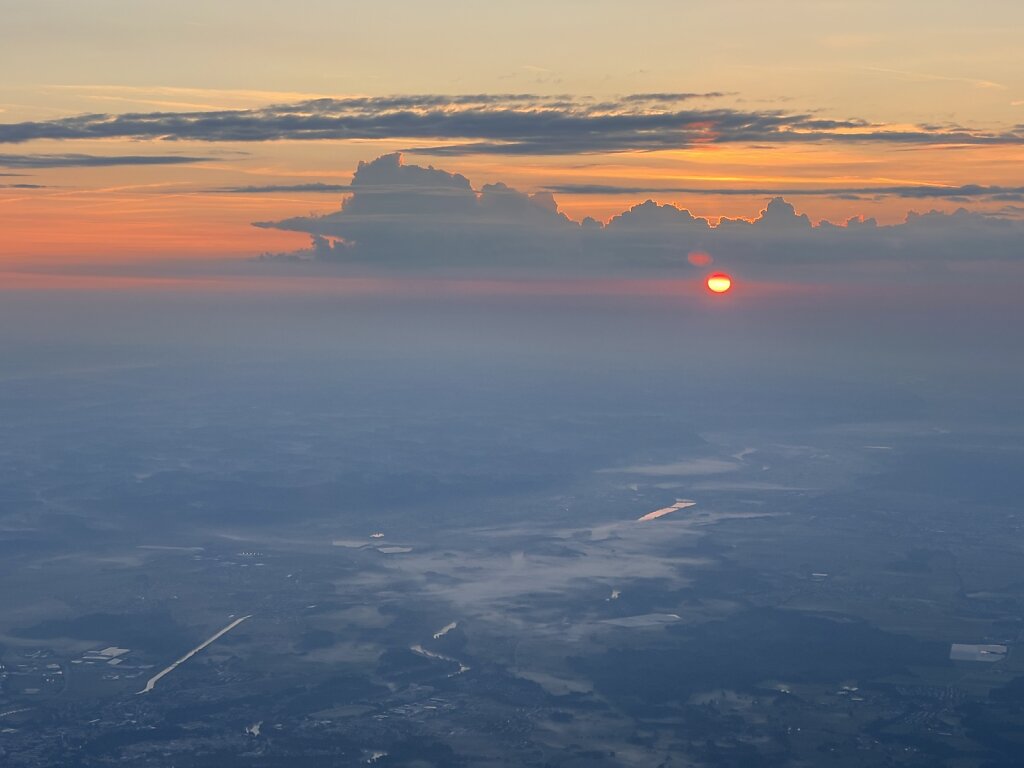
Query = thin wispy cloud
x=962 y=192
x=925 y=76
x=179 y=97
x=314 y=187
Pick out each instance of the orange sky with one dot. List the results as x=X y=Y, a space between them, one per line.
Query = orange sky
x=117 y=214
x=903 y=66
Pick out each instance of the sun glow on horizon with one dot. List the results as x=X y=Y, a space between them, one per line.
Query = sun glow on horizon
x=719 y=282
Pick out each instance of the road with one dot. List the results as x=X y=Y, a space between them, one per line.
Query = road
x=151 y=684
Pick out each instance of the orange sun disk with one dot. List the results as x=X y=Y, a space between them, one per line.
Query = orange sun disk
x=719 y=282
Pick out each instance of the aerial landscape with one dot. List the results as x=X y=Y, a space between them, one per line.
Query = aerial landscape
x=551 y=385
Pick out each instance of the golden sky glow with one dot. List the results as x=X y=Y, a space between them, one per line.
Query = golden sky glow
x=945 y=66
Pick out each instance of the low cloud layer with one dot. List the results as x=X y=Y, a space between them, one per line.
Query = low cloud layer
x=511 y=124
x=401 y=214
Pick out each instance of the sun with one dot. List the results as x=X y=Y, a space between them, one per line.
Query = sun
x=719 y=282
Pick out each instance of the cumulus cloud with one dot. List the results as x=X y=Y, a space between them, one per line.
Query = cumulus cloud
x=402 y=214
x=399 y=212
x=509 y=124
x=92 y=161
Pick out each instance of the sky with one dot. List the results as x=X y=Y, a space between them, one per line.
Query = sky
x=135 y=133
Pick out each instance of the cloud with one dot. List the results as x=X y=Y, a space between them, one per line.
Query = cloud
x=505 y=124
x=400 y=214
x=316 y=187
x=672 y=97
x=23 y=186
x=925 y=76
x=92 y=161
x=913 y=192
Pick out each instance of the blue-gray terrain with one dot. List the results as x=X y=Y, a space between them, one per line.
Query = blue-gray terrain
x=402 y=527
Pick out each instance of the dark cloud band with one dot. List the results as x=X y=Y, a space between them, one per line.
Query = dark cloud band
x=92 y=161
x=506 y=125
